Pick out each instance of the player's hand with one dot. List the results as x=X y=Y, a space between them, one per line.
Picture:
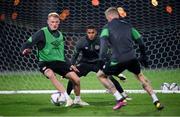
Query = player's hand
x=144 y=61
x=74 y=68
x=26 y=51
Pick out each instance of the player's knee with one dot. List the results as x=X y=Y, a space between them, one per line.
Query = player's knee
x=49 y=73
x=100 y=74
x=140 y=76
x=74 y=78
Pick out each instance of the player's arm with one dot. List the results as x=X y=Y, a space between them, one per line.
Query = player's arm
x=103 y=45
x=33 y=40
x=138 y=39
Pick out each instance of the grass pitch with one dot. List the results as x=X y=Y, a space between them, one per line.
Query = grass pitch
x=100 y=104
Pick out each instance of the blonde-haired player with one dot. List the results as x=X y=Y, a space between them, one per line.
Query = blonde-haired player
x=50 y=54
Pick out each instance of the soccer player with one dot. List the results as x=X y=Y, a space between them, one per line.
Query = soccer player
x=120 y=35
x=50 y=54
x=89 y=48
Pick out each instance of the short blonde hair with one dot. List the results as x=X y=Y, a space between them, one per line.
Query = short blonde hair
x=53 y=14
x=111 y=11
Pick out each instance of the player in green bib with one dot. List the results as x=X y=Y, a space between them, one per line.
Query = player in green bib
x=50 y=54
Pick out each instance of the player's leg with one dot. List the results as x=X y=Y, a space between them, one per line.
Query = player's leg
x=111 y=70
x=134 y=67
x=69 y=87
x=61 y=68
x=75 y=80
x=76 y=84
x=95 y=68
x=116 y=84
x=83 y=71
x=147 y=86
x=119 y=88
x=51 y=75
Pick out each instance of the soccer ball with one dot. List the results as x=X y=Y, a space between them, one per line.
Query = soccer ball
x=165 y=86
x=174 y=87
x=57 y=99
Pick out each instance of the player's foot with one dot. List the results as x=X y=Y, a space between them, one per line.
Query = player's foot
x=158 y=105
x=122 y=77
x=81 y=103
x=119 y=104
x=69 y=102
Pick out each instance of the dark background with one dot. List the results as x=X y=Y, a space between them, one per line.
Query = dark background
x=160 y=30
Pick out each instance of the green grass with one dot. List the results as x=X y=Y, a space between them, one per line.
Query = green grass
x=30 y=81
x=100 y=105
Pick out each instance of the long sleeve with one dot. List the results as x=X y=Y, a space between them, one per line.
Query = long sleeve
x=33 y=40
x=104 y=43
x=138 y=39
x=103 y=49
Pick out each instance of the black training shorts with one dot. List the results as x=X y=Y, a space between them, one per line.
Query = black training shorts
x=59 y=67
x=131 y=65
x=85 y=68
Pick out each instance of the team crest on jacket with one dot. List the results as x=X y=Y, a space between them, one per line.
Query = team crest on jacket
x=97 y=47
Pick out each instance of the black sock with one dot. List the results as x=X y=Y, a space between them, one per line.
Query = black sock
x=69 y=87
x=117 y=85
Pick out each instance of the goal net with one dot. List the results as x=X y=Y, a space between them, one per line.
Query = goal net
x=160 y=30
